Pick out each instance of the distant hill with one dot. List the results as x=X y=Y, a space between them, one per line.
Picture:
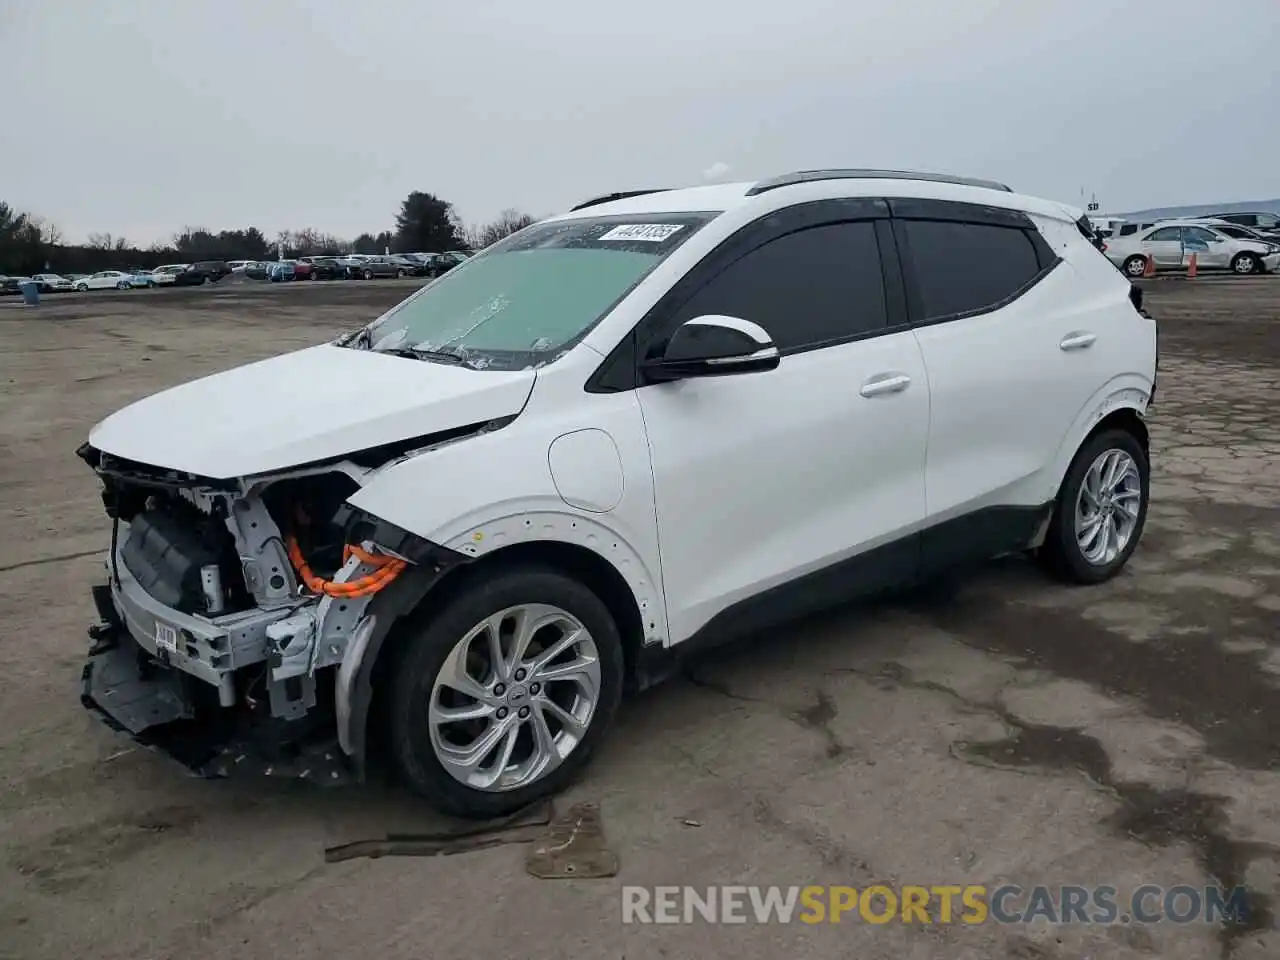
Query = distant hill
x=1199 y=210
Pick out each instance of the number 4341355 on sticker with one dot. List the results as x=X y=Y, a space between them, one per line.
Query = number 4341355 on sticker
x=652 y=232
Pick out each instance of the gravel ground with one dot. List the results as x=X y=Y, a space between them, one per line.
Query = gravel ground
x=1009 y=730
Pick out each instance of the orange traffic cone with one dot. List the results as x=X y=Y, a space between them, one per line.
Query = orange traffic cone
x=1150 y=269
x=1192 y=266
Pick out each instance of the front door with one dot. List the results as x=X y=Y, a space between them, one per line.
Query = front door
x=785 y=491
x=1210 y=249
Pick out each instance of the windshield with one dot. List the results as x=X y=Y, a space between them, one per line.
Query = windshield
x=527 y=299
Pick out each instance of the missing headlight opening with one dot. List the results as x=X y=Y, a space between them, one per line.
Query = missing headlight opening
x=233 y=608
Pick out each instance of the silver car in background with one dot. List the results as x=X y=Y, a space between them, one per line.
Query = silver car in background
x=1171 y=244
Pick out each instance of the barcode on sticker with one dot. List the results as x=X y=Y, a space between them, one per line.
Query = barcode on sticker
x=652 y=232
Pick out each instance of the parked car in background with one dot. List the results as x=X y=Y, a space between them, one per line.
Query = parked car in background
x=412 y=266
x=1128 y=228
x=53 y=282
x=165 y=275
x=215 y=270
x=318 y=268
x=353 y=263
x=10 y=285
x=139 y=278
x=282 y=270
x=256 y=270
x=202 y=272
x=380 y=267
x=105 y=280
x=238 y=266
x=1171 y=244
x=1265 y=223
x=1237 y=232
x=442 y=263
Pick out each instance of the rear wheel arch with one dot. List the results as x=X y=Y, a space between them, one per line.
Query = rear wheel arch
x=1127 y=419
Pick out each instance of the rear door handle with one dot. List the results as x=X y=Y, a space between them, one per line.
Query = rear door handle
x=1077 y=341
x=885 y=383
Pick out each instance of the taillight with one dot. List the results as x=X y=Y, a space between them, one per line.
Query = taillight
x=1103 y=248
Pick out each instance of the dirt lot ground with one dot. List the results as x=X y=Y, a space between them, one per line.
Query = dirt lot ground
x=1014 y=731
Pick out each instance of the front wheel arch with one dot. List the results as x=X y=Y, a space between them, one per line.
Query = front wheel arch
x=362 y=717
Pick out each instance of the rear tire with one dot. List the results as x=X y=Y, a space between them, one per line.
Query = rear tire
x=433 y=638
x=368 y=274
x=1101 y=510
x=1135 y=266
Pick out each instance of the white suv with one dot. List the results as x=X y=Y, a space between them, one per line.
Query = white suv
x=662 y=419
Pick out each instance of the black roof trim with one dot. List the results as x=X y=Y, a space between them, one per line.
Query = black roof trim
x=810 y=176
x=620 y=195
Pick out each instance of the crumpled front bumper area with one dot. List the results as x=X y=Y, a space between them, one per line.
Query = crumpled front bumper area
x=173 y=713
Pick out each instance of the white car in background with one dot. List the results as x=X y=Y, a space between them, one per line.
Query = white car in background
x=1171 y=243
x=52 y=282
x=105 y=280
x=165 y=275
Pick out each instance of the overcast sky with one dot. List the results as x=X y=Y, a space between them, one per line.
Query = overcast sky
x=141 y=116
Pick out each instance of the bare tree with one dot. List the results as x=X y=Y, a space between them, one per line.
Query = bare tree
x=50 y=232
x=509 y=221
x=102 y=241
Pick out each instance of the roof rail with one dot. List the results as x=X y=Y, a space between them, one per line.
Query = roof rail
x=809 y=176
x=620 y=195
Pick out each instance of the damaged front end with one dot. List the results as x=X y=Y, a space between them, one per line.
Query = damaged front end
x=241 y=619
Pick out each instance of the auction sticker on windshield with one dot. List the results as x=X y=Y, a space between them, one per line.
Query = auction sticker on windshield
x=653 y=232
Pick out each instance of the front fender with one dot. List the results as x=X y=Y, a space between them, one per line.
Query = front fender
x=495 y=490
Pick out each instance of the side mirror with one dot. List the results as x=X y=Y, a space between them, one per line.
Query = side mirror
x=713 y=346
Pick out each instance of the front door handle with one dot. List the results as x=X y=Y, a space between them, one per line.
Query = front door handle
x=1077 y=341
x=885 y=383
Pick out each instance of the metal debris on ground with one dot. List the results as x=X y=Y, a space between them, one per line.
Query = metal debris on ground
x=523 y=826
x=573 y=848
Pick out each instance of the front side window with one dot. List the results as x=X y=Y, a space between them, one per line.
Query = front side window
x=1199 y=235
x=814 y=286
x=1267 y=221
x=527 y=299
x=965 y=268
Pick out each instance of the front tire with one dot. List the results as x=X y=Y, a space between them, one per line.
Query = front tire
x=501 y=696
x=82 y=288
x=1101 y=510
x=368 y=274
x=1246 y=264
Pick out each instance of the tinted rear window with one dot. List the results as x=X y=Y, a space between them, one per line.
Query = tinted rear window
x=967 y=267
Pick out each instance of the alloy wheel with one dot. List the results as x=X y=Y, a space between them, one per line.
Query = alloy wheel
x=1108 y=507
x=514 y=697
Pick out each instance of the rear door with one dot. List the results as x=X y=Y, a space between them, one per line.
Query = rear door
x=1010 y=361
x=774 y=490
x=1164 y=245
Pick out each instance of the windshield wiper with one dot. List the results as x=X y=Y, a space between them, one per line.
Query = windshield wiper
x=421 y=353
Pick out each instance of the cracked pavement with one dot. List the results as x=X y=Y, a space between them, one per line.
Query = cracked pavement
x=1006 y=729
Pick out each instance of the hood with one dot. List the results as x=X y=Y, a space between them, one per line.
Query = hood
x=315 y=404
